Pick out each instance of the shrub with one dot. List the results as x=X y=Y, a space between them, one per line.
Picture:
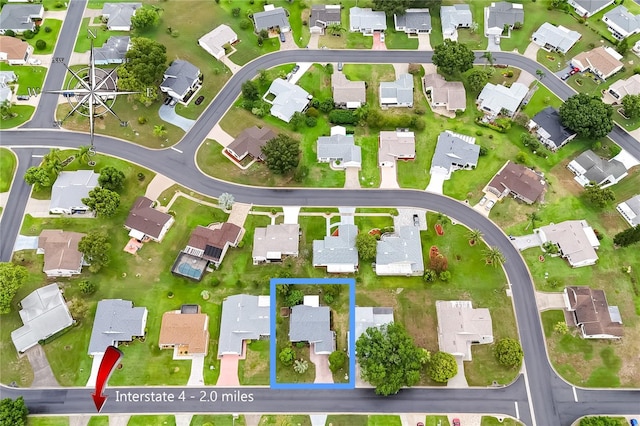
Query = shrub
x=429 y=275
x=142 y=119
x=28 y=34
x=311 y=121
x=244 y=24
x=327 y=106
x=294 y=298
x=445 y=276
x=483 y=151
x=509 y=352
x=329 y=68
x=141 y=176
x=87 y=287
x=287 y=356
x=479 y=132
x=337 y=360
x=47 y=29
x=10 y=33
x=312 y=112
x=41 y=44
x=58 y=5
x=341 y=116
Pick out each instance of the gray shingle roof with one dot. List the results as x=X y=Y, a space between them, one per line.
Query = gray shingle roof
x=339 y=146
x=398 y=92
x=71 y=187
x=276 y=17
x=597 y=168
x=559 y=37
x=289 y=99
x=414 y=19
x=244 y=317
x=504 y=13
x=550 y=126
x=180 y=76
x=113 y=51
x=312 y=324
x=365 y=18
x=340 y=249
x=323 y=16
x=367 y=317
x=631 y=210
x=116 y=321
x=17 y=16
x=403 y=247
x=452 y=150
x=120 y=13
x=621 y=17
x=452 y=17
x=592 y=5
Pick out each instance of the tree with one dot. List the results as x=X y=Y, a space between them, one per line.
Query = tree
x=623 y=46
x=102 y=201
x=52 y=163
x=388 y=358
x=296 y=120
x=13 y=412
x=627 y=237
x=509 y=352
x=366 y=245
x=337 y=360
x=78 y=308
x=599 y=421
x=452 y=57
x=477 y=79
x=6 y=111
x=283 y=289
x=533 y=218
x=225 y=201
x=87 y=287
x=286 y=356
x=489 y=57
x=300 y=366
x=631 y=104
x=83 y=154
x=38 y=177
x=442 y=367
x=95 y=247
x=474 y=235
x=335 y=29
x=283 y=153
x=392 y=7
x=429 y=276
x=111 y=178
x=540 y=74
x=160 y=130
x=250 y=91
x=295 y=297
x=145 y=18
x=146 y=62
x=597 y=195
x=12 y=277
x=561 y=327
x=587 y=115
x=41 y=44
x=493 y=256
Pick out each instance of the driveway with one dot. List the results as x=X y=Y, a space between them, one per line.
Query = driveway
x=492 y=46
x=304 y=66
x=157 y=186
x=351 y=177
x=288 y=44
x=526 y=78
x=229 y=371
x=547 y=301
x=323 y=373
x=424 y=42
x=627 y=159
x=42 y=375
x=196 y=378
x=526 y=241
x=531 y=51
x=436 y=183
x=25 y=243
x=388 y=178
x=95 y=365
x=377 y=44
x=459 y=380
x=168 y=114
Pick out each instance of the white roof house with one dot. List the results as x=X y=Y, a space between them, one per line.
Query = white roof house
x=288 y=100
x=454 y=17
x=274 y=242
x=339 y=149
x=214 y=41
x=400 y=253
x=454 y=152
x=116 y=321
x=347 y=93
x=337 y=253
x=397 y=93
x=621 y=23
x=366 y=21
x=575 y=239
x=630 y=210
x=460 y=325
x=555 y=38
x=587 y=8
x=244 y=317
x=622 y=88
x=119 y=15
x=370 y=317
x=69 y=189
x=495 y=99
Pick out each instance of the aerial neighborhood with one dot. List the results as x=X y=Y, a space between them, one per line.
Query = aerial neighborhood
x=322 y=195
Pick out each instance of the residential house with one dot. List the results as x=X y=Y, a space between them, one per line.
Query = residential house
x=602 y=61
x=338 y=252
x=555 y=38
x=181 y=80
x=6 y=95
x=497 y=99
x=61 y=255
x=118 y=15
x=622 y=88
x=454 y=152
x=446 y=94
x=116 y=321
x=44 y=313
x=460 y=326
x=575 y=239
x=366 y=21
x=621 y=23
x=630 y=210
x=20 y=17
x=275 y=242
x=397 y=93
x=589 y=167
x=244 y=317
x=339 y=149
x=587 y=8
x=186 y=331
x=371 y=317
x=413 y=21
x=346 y=93
x=272 y=19
x=113 y=51
x=400 y=253
x=14 y=51
x=454 y=17
x=395 y=145
x=7 y=77
x=69 y=189
x=589 y=310
x=144 y=222
x=549 y=129
x=250 y=142
x=519 y=181
x=311 y=323
x=501 y=15
x=215 y=40
x=322 y=16
x=288 y=99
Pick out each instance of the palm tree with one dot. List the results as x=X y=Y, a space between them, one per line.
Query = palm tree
x=52 y=163
x=494 y=256
x=540 y=74
x=489 y=57
x=159 y=130
x=84 y=152
x=474 y=235
x=335 y=29
x=533 y=218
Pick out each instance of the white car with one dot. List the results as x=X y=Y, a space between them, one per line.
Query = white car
x=489 y=205
x=382 y=37
x=34 y=61
x=482 y=201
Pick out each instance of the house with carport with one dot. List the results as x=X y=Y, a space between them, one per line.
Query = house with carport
x=588 y=310
x=555 y=38
x=589 y=167
x=496 y=99
x=272 y=19
x=621 y=23
x=186 y=331
x=118 y=15
x=244 y=318
x=274 y=243
x=454 y=151
x=367 y=21
x=346 y=93
x=116 y=321
x=621 y=88
x=576 y=241
x=68 y=191
x=215 y=40
x=339 y=149
x=413 y=21
x=460 y=325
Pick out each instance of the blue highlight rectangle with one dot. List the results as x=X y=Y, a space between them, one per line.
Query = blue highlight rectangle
x=352 y=326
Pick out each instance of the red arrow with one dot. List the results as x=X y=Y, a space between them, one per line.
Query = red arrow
x=110 y=360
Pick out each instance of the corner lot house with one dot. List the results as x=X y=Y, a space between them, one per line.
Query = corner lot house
x=630 y=210
x=272 y=19
x=44 y=313
x=622 y=88
x=20 y=17
x=186 y=331
x=454 y=17
x=454 y=152
x=339 y=149
x=413 y=21
x=501 y=15
x=146 y=223
x=588 y=167
x=552 y=38
x=460 y=326
x=118 y=15
x=69 y=189
x=621 y=23
x=337 y=253
x=587 y=8
x=312 y=323
x=575 y=239
x=519 y=181
x=393 y=146
x=498 y=99
x=588 y=310
x=347 y=93
x=602 y=61
x=61 y=255
x=116 y=321
x=214 y=41
x=181 y=80
x=275 y=242
x=323 y=15
x=250 y=142
x=288 y=99
x=400 y=253
x=549 y=129
x=244 y=317
x=446 y=94
x=113 y=51
x=14 y=51
x=397 y=93
x=366 y=21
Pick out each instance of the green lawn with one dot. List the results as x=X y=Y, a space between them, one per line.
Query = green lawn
x=83 y=43
x=28 y=76
x=47 y=421
x=542 y=98
x=22 y=113
x=384 y=421
x=99 y=421
x=152 y=420
x=346 y=39
x=346 y=420
x=283 y=420
x=493 y=421
x=217 y=420
x=254 y=370
x=398 y=39
x=436 y=421
x=8 y=162
x=49 y=38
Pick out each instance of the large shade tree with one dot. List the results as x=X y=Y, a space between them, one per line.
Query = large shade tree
x=587 y=115
x=452 y=57
x=145 y=65
x=102 y=201
x=12 y=277
x=13 y=412
x=95 y=246
x=282 y=154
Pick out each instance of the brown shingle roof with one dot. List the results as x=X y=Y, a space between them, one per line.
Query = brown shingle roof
x=146 y=219
x=345 y=90
x=60 y=249
x=250 y=141
x=592 y=312
x=15 y=48
x=213 y=241
x=450 y=92
x=519 y=179
x=188 y=331
x=599 y=59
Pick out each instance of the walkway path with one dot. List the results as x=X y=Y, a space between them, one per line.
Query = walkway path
x=119 y=419
x=157 y=186
x=252 y=419
x=42 y=373
x=196 y=377
x=318 y=419
x=413 y=419
x=79 y=420
x=230 y=64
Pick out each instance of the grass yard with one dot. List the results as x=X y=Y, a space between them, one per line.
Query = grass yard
x=152 y=420
x=49 y=38
x=398 y=39
x=28 y=76
x=254 y=370
x=436 y=421
x=346 y=420
x=47 y=421
x=98 y=421
x=283 y=420
x=22 y=113
x=493 y=421
x=8 y=163
x=346 y=39
x=384 y=421
x=83 y=43
x=541 y=99
x=217 y=420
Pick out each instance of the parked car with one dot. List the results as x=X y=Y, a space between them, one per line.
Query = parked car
x=456 y=422
x=339 y=66
x=574 y=70
x=482 y=201
x=167 y=100
x=565 y=76
x=22 y=97
x=199 y=100
x=34 y=61
x=382 y=37
x=489 y=205
x=282 y=39
x=295 y=69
